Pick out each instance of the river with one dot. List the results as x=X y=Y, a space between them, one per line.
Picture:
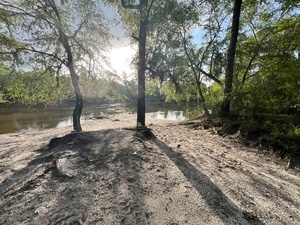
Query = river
x=20 y=119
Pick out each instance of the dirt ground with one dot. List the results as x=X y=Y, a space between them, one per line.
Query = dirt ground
x=112 y=174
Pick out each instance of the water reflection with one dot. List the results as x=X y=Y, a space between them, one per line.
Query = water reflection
x=34 y=126
x=65 y=123
x=171 y=115
x=16 y=119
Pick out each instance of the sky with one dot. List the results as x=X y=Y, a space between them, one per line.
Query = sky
x=120 y=59
x=122 y=52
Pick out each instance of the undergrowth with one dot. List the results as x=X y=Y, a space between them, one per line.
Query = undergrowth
x=278 y=133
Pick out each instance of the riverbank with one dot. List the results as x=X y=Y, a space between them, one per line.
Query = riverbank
x=111 y=174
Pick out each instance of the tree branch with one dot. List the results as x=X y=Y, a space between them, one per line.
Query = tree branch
x=129 y=6
x=192 y=62
x=135 y=37
x=42 y=53
x=211 y=77
x=14 y=10
x=79 y=28
x=149 y=9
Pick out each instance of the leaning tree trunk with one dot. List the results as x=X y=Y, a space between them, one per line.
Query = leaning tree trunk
x=74 y=78
x=64 y=40
x=141 y=105
x=79 y=99
x=225 y=108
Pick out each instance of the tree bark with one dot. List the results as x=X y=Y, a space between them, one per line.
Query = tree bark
x=74 y=78
x=79 y=99
x=141 y=106
x=64 y=40
x=225 y=108
x=144 y=10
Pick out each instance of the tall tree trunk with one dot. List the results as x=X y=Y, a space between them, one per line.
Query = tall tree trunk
x=144 y=10
x=225 y=108
x=141 y=105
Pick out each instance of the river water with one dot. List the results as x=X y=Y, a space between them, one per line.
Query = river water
x=18 y=119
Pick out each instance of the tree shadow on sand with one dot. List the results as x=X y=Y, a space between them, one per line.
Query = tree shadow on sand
x=95 y=178
x=81 y=178
x=227 y=211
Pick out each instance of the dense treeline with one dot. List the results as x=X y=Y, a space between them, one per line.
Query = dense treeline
x=34 y=88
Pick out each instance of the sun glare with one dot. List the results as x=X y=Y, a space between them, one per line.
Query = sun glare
x=121 y=59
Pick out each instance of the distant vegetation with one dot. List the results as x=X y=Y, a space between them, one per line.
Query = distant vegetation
x=39 y=87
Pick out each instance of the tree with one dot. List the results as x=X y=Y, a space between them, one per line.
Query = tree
x=33 y=87
x=175 y=38
x=260 y=68
x=225 y=109
x=57 y=36
x=9 y=44
x=165 y=57
x=272 y=86
x=64 y=40
x=144 y=8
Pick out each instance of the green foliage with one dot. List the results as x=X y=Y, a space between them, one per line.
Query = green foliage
x=214 y=97
x=297 y=131
x=170 y=92
x=153 y=87
x=194 y=114
x=32 y=88
x=108 y=89
x=186 y=93
x=36 y=87
x=285 y=130
x=270 y=84
x=4 y=76
x=2 y=98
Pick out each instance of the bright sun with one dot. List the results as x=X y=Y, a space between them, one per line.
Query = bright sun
x=121 y=58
